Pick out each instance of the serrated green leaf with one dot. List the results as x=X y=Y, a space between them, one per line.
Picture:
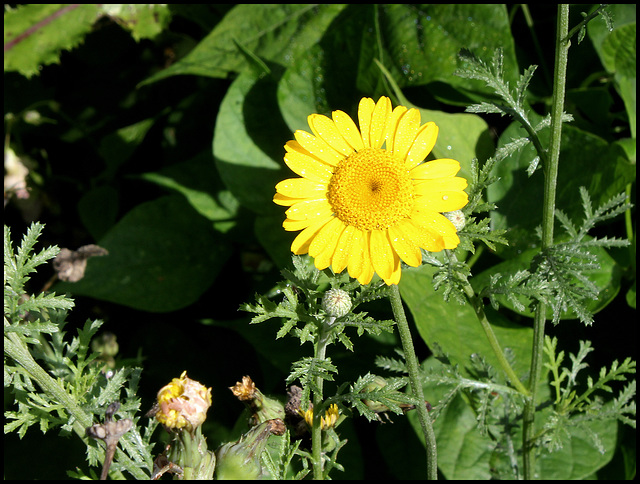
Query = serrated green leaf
x=36 y=34
x=145 y=21
x=519 y=207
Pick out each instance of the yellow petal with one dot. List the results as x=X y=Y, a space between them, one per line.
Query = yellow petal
x=294 y=225
x=423 y=144
x=285 y=201
x=437 y=223
x=324 y=245
x=309 y=209
x=444 y=167
x=377 y=130
x=367 y=272
x=325 y=128
x=365 y=111
x=343 y=249
x=301 y=188
x=424 y=238
x=382 y=256
x=395 y=276
x=318 y=147
x=367 y=268
x=355 y=262
x=406 y=133
x=308 y=167
x=441 y=194
x=403 y=244
x=300 y=244
x=348 y=129
x=392 y=126
x=324 y=236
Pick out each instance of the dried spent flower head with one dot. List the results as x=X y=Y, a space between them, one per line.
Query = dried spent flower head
x=262 y=407
x=336 y=303
x=244 y=390
x=183 y=403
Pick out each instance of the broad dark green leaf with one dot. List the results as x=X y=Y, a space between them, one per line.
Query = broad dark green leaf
x=249 y=137
x=275 y=32
x=162 y=256
x=465 y=454
x=617 y=52
x=422 y=42
x=199 y=182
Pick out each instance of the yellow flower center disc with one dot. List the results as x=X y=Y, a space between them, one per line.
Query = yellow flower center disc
x=371 y=189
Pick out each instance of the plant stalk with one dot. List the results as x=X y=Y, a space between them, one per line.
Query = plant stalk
x=478 y=307
x=316 y=428
x=548 y=215
x=415 y=381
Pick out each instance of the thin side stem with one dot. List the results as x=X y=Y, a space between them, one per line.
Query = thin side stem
x=478 y=307
x=548 y=214
x=415 y=381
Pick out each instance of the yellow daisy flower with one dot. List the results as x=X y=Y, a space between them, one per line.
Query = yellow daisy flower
x=363 y=207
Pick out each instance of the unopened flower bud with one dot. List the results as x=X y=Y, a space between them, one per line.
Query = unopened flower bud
x=241 y=460
x=457 y=218
x=183 y=404
x=336 y=303
x=378 y=383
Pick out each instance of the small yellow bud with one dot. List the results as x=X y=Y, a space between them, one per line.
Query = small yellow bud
x=327 y=421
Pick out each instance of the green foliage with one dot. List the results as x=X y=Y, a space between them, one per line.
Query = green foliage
x=156 y=132
x=372 y=395
x=574 y=406
x=35 y=35
x=559 y=275
x=58 y=383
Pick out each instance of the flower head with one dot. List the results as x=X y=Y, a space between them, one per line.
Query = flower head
x=183 y=403
x=327 y=421
x=363 y=207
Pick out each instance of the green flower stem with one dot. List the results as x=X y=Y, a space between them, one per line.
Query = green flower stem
x=548 y=214
x=316 y=428
x=416 y=381
x=478 y=307
x=16 y=349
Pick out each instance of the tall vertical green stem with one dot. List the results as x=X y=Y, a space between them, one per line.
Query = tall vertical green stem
x=415 y=381
x=316 y=428
x=548 y=214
